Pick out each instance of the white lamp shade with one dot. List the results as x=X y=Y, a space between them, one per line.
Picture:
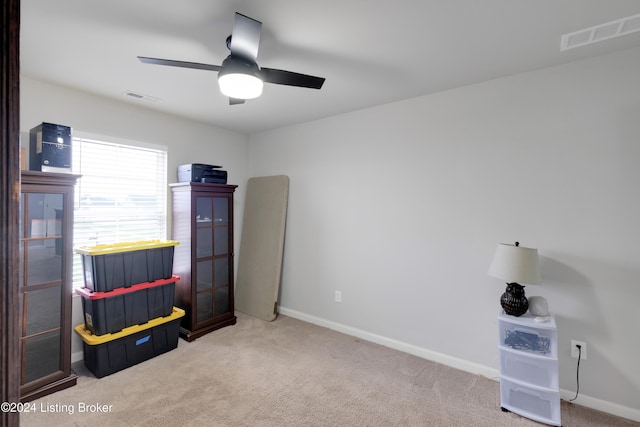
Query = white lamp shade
x=517 y=264
x=240 y=85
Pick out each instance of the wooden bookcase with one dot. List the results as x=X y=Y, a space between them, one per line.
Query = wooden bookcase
x=202 y=223
x=45 y=282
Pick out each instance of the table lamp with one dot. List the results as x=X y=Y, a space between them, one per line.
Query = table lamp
x=515 y=264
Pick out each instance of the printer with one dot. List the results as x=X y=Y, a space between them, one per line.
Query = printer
x=198 y=172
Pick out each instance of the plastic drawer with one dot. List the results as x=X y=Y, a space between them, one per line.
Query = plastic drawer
x=541 y=341
x=109 y=312
x=531 y=402
x=110 y=353
x=536 y=370
x=108 y=267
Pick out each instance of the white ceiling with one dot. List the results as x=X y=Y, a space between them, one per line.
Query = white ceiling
x=371 y=52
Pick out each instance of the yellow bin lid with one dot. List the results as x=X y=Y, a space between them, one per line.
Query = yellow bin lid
x=124 y=247
x=91 y=339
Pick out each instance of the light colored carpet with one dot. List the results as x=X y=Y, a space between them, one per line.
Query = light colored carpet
x=288 y=373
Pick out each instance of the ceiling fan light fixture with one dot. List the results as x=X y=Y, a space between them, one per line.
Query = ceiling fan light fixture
x=239 y=79
x=240 y=85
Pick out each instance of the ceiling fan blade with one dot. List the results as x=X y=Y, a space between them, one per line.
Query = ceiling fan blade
x=245 y=39
x=235 y=101
x=183 y=64
x=282 y=77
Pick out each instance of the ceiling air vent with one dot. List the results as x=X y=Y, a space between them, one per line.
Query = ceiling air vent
x=132 y=94
x=609 y=30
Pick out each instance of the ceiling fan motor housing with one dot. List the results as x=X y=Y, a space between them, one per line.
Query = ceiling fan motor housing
x=233 y=64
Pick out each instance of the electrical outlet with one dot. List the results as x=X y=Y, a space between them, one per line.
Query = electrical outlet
x=337 y=296
x=582 y=352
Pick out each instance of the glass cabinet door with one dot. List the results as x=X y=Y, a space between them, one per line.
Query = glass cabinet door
x=212 y=261
x=41 y=284
x=204 y=227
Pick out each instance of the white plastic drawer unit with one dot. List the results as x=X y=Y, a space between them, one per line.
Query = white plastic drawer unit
x=529 y=379
x=520 y=335
x=536 y=370
x=534 y=403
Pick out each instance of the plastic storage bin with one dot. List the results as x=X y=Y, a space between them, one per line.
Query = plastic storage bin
x=537 y=404
x=108 y=267
x=535 y=370
x=540 y=340
x=110 y=353
x=529 y=379
x=109 y=312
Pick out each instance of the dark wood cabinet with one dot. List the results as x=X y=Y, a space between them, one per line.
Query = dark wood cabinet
x=45 y=282
x=202 y=223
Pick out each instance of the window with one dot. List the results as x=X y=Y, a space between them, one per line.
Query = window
x=121 y=196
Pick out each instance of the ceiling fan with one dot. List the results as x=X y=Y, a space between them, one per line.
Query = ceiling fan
x=239 y=76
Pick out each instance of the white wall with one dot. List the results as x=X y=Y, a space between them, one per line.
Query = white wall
x=400 y=207
x=187 y=141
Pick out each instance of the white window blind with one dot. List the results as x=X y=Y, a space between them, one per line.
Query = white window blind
x=121 y=196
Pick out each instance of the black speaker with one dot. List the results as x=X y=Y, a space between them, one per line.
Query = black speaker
x=50 y=148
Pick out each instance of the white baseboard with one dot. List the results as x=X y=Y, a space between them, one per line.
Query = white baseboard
x=602 y=405
x=424 y=353
x=454 y=362
x=77 y=357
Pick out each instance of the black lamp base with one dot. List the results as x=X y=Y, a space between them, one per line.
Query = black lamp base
x=513 y=300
